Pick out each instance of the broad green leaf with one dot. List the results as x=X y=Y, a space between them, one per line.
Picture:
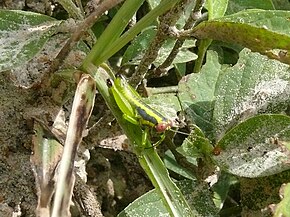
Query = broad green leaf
x=197 y=94
x=199 y=197
x=33 y=70
x=221 y=188
x=167 y=104
x=22 y=36
x=180 y=69
x=235 y=6
x=183 y=56
x=196 y=145
x=254 y=85
x=216 y=8
x=221 y=96
x=281 y=4
x=185 y=15
x=256 y=147
x=150 y=204
x=266 y=32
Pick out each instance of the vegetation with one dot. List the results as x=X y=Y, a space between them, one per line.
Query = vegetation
x=215 y=85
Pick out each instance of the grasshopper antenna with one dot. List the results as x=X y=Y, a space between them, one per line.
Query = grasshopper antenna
x=177 y=131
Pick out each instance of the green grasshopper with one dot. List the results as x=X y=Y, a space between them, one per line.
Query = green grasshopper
x=135 y=110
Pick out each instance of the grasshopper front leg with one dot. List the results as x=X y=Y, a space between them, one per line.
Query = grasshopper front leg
x=145 y=132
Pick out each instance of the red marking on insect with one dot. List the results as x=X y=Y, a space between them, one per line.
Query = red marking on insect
x=161 y=127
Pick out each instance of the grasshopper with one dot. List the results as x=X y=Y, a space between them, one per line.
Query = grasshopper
x=135 y=110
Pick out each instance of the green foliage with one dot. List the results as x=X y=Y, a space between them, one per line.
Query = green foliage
x=283 y=206
x=255 y=147
x=143 y=206
x=23 y=34
x=262 y=31
x=135 y=51
x=237 y=115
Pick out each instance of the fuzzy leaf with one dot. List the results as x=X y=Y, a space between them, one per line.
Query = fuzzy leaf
x=266 y=32
x=22 y=36
x=197 y=94
x=254 y=85
x=256 y=147
x=198 y=197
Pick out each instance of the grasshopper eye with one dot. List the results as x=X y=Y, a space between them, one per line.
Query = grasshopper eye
x=109 y=82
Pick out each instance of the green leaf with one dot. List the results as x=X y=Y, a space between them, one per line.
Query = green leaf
x=256 y=147
x=151 y=205
x=183 y=56
x=254 y=85
x=107 y=49
x=167 y=104
x=30 y=72
x=196 y=145
x=221 y=96
x=235 y=6
x=199 y=197
x=114 y=29
x=22 y=36
x=282 y=209
x=216 y=8
x=135 y=50
x=281 y=4
x=196 y=93
x=185 y=15
x=171 y=195
x=266 y=32
x=221 y=188
x=180 y=69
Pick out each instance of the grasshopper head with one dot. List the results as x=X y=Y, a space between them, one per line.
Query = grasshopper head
x=110 y=82
x=161 y=127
